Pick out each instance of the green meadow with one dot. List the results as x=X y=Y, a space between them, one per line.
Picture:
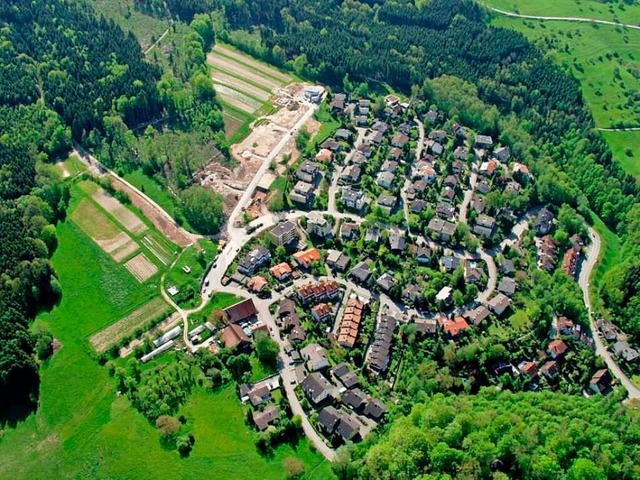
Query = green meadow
x=619 y=12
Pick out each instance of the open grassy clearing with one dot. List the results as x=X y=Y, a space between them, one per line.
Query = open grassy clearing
x=626 y=150
x=610 y=250
x=152 y=189
x=154 y=309
x=605 y=60
x=614 y=12
x=188 y=271
x=71 y=167
x=125 y=13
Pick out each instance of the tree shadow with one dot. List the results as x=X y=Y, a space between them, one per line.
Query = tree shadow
x=20 y=398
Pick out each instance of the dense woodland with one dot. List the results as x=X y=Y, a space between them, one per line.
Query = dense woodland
x=503 y=435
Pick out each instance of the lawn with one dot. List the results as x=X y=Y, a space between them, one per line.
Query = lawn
x=258 y=370
x=610 y=249
x=626 y=150
x=197 y=261
x=620 y=12
x=520 y=320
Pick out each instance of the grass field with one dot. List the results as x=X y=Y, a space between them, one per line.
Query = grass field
x=197 y=263
x=610 y=250
x=606 y=62
x=152 y=189
x=614 y=12
x=244 y=85
x=626 y=150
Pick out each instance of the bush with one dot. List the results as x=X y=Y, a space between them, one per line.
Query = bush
x=167 y=425
x=293 y=468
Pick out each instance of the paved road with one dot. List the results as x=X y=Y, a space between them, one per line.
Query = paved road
x=591 y=258
x=407 y=182
x=468 y=195
x=568 y=19
x=622 y=129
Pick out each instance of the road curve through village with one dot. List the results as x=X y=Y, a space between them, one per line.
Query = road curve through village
x=590 y=261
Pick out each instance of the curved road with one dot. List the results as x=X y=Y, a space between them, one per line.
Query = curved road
x=591 y=259
x=567 y=19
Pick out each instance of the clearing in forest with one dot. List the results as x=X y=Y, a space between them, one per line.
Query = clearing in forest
x=126 y=217
x=126 y=326
x=141 y=267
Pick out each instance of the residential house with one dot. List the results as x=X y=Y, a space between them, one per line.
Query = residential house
x=243 y=311
x=324 y=155
x=385 y=179
x=313 y=354
x=375 y=409
x=625 y=352
x=449 y=263
x=484 y=226
x=337 y=260
x=488 y=168
x=444 y=295
x=453 y=327
x=343 y=134
x=263 y=419
x=355 y=399
x=286 y=307
x=484 y=141
x=477 y=315
x=431 y=116
x=305 y=258
x=529 y=369
x=354 y=199
x=397 y=242
x=424 y=171
x=601 y=381
x=387 y=202
x=503 y=154
x=335 y=422
x=426 y=326
x=351 y=174
x=234 y=336
x=257 y=284
x=570 y=261
x=423 y=254
x=390 y=166
x=399 y=140
x=544 y=221
x=372 y=235
x=448 y=194
x=396 y=155
x=344 y=374
x=411 y=293
x=520 y=170
x=338 y=102
x=507 y=286
x=256 y=395
x=557 y=349
x=281 y=272
x=349 y=231
x=379 y=353
x=254 y=260
x=386 y=282
x=549 y=369
x=436 y=148
x=350 y=323
x=317 y=388
x=417 y=206
x=321 y=313
x=362 y=271
x=483 y=187
x=445 y=211
x=506 y=266
x=375 y=137
x=461 y=153
x=443 y=229
x=499 y=304
x=546 y=253
x=472 y=272
x=380 y=126
x=361 y=120
x=329 y=144
x=308 y=172
x=302 y=193
x=283 y=233
x=328 y=290
x=478 y=203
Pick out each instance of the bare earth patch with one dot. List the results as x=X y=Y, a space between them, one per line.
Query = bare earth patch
x=141 y=267
x=120 y=248
x=125 y=216
x=124 y=327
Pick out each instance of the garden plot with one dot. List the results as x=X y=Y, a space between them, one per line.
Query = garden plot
x=251 y=63
x=157 y=248
x=141 y=267
x=102 y=230
x=126 y=217
x=126 y=326
x=229 y=81
x=237 y=99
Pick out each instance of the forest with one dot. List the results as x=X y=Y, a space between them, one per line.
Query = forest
x=503 y=435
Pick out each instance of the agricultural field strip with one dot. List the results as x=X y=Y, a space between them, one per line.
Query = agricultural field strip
x=236 y=98
x=156 y=249
x=266 y=76
x=126 y=217
x=141 y=267
x=129 y=324
x=252 y=63
x=248 y=89
x=223 y=63
x=236 y=77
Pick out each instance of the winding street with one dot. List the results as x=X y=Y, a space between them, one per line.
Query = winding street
x=589 y=263
x=567 y=19
x=407 y=182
